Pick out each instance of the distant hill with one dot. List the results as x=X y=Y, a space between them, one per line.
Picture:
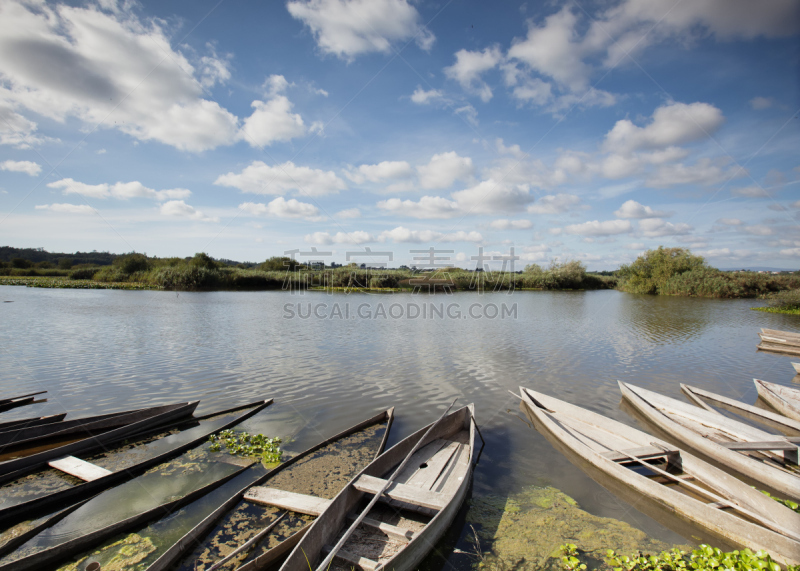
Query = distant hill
x=35 y=255
x=760 y=269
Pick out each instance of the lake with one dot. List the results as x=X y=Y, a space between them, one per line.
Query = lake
x=332 y=360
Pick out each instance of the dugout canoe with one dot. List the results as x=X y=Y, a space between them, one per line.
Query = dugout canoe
x=24 y=423
x=699 y=396
x=197 y=535
x=10 y=399
x=140 y=421
x=778 y=336
x=432 y=485
x=635 y=465
x=796 y=368
x=94 y=479
x=734 y=445
x=785 y=400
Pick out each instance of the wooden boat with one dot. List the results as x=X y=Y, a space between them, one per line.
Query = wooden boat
x=143 y=420
x=779 y=348
x=796 y=368
x=782 y=423
x=633 y=465
x=30 y=422
x=95 y=479
x=785 y=400
x=21 y=400
x=777 y=336
x=198 y=534
x=734 y=445
x=114 y=512
x=435 y=468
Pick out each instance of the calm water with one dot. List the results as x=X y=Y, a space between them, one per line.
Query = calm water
x=102 y=351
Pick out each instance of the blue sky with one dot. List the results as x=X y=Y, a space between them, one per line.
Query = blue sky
x=580 y=130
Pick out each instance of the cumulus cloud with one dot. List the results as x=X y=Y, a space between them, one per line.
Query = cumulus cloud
x=272 y=121
x=260 y=178
x=749 y=192
x=67 y=208
x=119 y=190
x=401 y=234
x=348 y=213
x=325 y=238
x=598 y=228
x=426 y=207
x=505 y=224
x=422 y=97
x=758 y=230
x=348 y=28
x=27 y=167
x=444 y=169
x=282 y=208
x=380 y=172
x=17 y=131
x=470 y=65
x=179 y=209
x=656 y=228
x=730 y=221
x=493 y=196
x=86 y=62
x=704 y=172
x=555 y=204
x=632 y=209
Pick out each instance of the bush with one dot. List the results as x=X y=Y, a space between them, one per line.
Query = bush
x=652 y=270
x=203 y=260
x=65 y=263
x=20 y=263
x=278 y=264
x=83 y=273
x=186 y=277
x=45 y=265
x=110 y=274
x=131 y=263
x=789 y=299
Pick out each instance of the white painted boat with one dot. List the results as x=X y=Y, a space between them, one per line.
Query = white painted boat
x=785 y=400
x=735 y=445
x=782 y=423
x=633 y=464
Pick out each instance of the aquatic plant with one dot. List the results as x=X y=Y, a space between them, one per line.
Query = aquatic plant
x=245 y=444
x=704 y=558
x=788 y=503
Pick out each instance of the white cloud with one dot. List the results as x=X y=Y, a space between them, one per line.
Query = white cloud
x=119 y=190
x=444 y=169
x=469 y=66
x=469 y=113
x=325 y=238
x=554 y=204
x=513 y=150
x=348 y=213
x=597 y=228
x=704 y=172
x=259 y=178
x=426 y=207
x=68 y=208
x=62 y=61
x=491 y=196
x=380 y=172
x=276 y=84
x=282 y=208
x=758 y=230
x=401 y=234
x=749 y=192
x=272 y=121
x=347 y=28
x=656 y=227
x=759 y=103
x=422 y=97
x=632 y=209
x=17 y=131
x=505 y=224
x=635 y=246
x=730 y=221
x=179 y=209
x=27 y=167
x=673 y=124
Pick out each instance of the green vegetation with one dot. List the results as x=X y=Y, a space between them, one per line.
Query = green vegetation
x=704 y=558
x=249 y=445
x=788 y=503
x=787 y=302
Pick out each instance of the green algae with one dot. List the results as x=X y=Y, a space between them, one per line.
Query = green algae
x=126 y=553
x=525 y=531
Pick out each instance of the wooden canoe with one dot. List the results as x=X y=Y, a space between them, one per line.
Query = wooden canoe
x=613 y=454
x=785 y=400
x=716 y=436
x=789 y=337
x=781 y=348
x=31 y=422
x=432 y=486
x=198 y=534
x=96 y=479
x=796 y=368
x=58 y=545
x=141 y=421
x=14 y=403
x=782 y=423
x=10 y=399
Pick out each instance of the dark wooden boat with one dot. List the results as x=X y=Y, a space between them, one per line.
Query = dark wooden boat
x=785 y=400
x=699 y=396
x=633 y=464
x=197 y=534
x=30 y=422
x=770 y=459
x=137 y=422
x=428 y=475
x=95 y=479
x=16 y=398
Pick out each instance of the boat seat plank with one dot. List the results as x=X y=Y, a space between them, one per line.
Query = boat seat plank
x=401 y=534
x=643 y=453
x=299 y=503
x=353 y=559
x=421 y=456
x=426 y=477
x=401 y=492
x=81 y=469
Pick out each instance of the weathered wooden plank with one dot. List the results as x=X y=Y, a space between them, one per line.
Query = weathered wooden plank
x=778 y=348
x=402 y=534
x=770 y=445
x=643 y=452
x=401 y=492
x=454 y=473
x=426 y=477
x=420 y=457
x=353 y=559
x=300 y=503
x=81 y=469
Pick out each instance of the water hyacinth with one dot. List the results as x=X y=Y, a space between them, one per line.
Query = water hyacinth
x=246 y=444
